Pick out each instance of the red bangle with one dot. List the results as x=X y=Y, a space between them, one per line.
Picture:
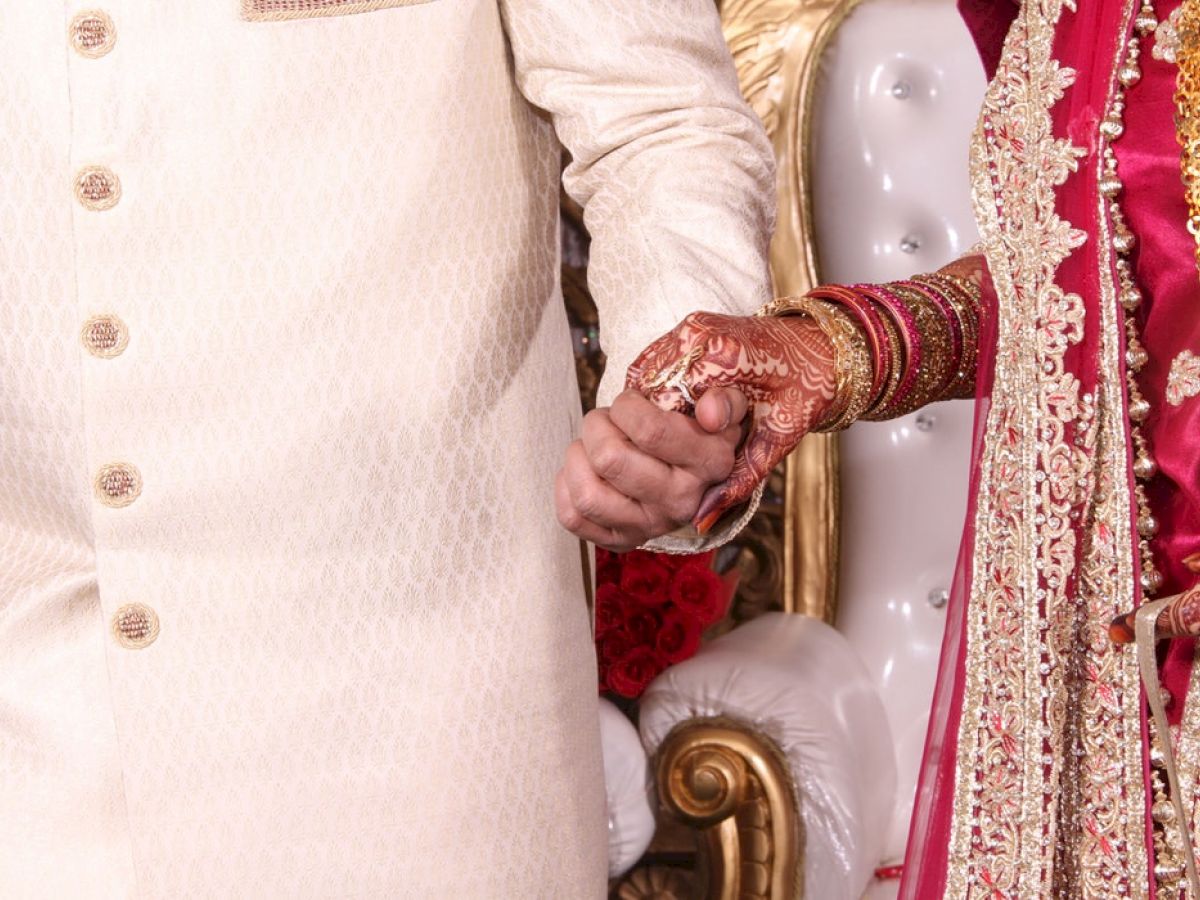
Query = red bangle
x=910 y=337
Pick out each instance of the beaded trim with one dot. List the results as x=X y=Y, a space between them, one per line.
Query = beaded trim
x=283 y=10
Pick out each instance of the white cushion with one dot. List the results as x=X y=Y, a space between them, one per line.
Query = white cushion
x=627 y=785
x=796 y=680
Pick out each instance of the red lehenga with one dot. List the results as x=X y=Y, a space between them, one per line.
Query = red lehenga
x=1040 y=776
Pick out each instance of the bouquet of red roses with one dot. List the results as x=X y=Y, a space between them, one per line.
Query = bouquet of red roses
x=651 y=610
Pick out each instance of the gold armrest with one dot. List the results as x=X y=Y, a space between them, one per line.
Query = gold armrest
x=732 y=784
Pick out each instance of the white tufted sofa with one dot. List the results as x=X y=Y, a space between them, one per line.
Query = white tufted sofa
x=849 y=707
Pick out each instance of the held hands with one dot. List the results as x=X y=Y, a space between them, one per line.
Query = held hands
x=785 y=367
x=638 y=471
x=646 y=466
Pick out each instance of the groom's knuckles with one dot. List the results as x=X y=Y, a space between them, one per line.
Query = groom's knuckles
x=609 y=458
x=644 y=423
x=568 y=514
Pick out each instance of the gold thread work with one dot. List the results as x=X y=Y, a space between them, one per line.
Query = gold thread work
x=284 y=10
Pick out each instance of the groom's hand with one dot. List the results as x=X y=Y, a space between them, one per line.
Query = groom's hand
x=638 y=471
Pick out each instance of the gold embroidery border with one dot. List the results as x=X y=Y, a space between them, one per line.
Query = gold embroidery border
x=253 y=10
x=1189 y=743
x=1016 y=733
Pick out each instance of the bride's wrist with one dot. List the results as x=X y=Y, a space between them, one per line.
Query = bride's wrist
x=836 y=338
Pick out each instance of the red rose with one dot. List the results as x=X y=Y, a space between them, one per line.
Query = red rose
x=700 y=592
x=610 y=606
x=615 y=646
x=642 y=625
x=645 y=578
x=630 y=676
x=608 y=567
x=679 y=637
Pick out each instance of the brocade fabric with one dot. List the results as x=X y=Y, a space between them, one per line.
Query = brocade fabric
x=346 y=388
x=1036 y=777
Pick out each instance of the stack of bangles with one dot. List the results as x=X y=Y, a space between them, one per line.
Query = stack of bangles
x=897 y=346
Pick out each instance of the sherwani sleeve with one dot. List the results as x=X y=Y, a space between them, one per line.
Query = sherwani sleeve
x=673 y=170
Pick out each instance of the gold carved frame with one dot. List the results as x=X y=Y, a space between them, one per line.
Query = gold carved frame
x=777 y=46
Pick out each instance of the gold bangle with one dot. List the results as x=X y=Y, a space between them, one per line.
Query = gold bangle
x=937 y=350
x=852 y=357
x=966 y=299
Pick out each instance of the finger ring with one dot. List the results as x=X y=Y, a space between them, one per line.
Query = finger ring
x=679 y=383
x=675 y=374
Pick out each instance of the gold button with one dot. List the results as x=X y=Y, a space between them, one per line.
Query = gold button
x=105 y=336
x=118 y=484
x=93 y=33
x=135 y=626
x=97 y=188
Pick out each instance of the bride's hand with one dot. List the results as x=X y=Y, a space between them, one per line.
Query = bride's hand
x=784 y=366
x=1179 y=618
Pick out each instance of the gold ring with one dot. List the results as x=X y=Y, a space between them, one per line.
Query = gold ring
x=673 y=376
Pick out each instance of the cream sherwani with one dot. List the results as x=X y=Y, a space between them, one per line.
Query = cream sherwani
x=284 y=381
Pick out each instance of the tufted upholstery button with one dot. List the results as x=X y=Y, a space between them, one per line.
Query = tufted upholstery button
x=135 y=626
x=93 y=33
x=97 y=188
x=118 y=484
x=105 y=336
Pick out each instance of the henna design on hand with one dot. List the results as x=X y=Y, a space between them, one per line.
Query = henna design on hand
x=784 y=366
x=969 y=268
x=1179 y=618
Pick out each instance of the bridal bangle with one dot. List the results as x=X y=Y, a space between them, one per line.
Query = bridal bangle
x=852 y=357
x=897 y=346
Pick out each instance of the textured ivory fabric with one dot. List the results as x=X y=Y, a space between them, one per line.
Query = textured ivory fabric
x=347 y=387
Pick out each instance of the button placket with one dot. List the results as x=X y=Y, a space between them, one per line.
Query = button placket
x=92 y=34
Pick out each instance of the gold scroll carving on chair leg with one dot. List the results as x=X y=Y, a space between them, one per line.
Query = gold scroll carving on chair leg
x=777 y=46
x=732 y=785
